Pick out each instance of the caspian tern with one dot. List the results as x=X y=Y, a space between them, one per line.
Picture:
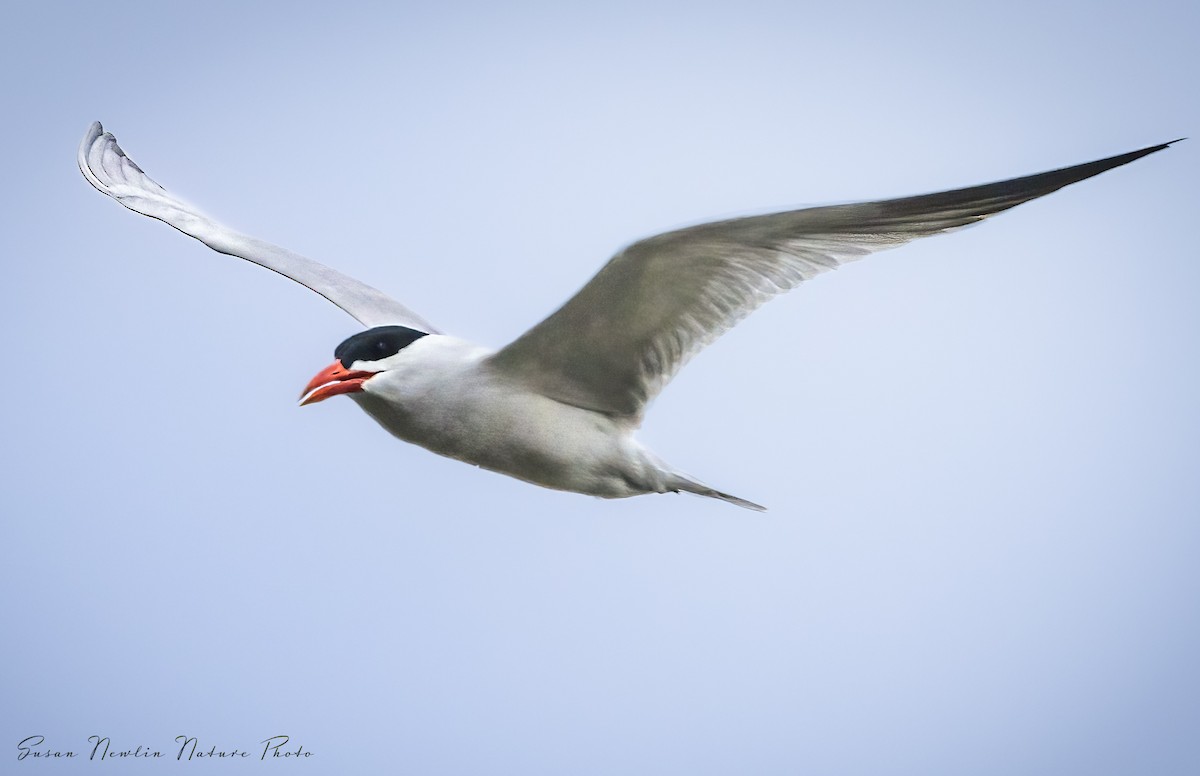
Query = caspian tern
x=559 y=406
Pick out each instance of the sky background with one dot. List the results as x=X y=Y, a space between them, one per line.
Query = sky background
x=979 y=451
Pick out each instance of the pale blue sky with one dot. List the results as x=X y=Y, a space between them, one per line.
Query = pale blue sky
x=979 y=451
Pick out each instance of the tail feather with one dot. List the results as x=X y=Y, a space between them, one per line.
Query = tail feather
x=741 y=502
x=681 y=483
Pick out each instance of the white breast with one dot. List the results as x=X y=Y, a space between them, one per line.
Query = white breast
x=441 y=395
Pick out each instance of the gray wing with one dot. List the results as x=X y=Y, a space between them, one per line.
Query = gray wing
x=107 y=168
x=615 y=344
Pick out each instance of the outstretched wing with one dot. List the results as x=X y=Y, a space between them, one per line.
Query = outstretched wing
x=107 y=168
x=615 y=344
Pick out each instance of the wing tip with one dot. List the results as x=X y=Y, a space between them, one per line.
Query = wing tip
x=93 y=134
x=1122 y=159
x=1087 y=170
x=1156 y=148
x=104 y=163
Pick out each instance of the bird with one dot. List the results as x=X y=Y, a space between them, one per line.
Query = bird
x=559 y=406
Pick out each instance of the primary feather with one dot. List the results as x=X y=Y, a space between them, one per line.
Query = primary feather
x=615 y=344
x=107 y=168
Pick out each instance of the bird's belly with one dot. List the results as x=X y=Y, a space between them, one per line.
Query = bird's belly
x=523 y=435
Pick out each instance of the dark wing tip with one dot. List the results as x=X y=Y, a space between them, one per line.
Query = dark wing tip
x=1083 y=171
x=1132 y=155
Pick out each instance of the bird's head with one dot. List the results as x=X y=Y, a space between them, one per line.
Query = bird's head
x=359 y=358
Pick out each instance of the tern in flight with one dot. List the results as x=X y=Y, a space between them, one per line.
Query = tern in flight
x=559 y=406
